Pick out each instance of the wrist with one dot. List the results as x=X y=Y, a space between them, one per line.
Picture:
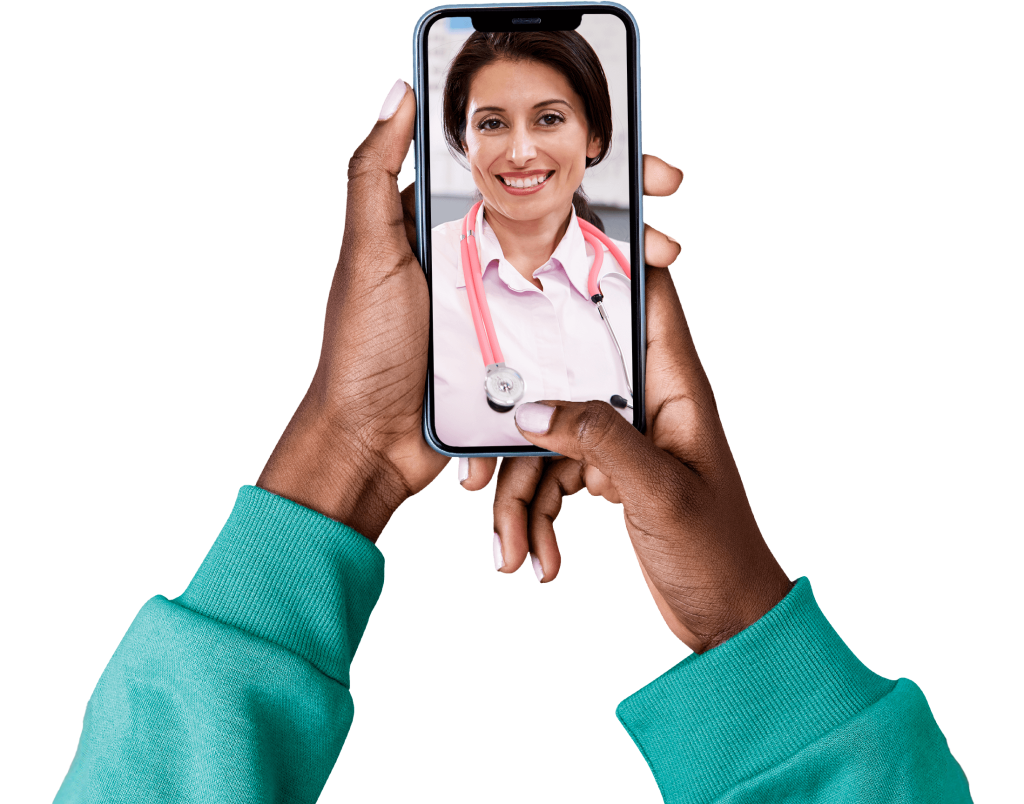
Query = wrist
x=329 y=471
x=763 y=592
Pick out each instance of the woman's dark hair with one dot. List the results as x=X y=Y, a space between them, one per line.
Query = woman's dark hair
x=566 y=51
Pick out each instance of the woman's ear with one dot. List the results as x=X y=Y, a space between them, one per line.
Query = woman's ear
x=594 y=147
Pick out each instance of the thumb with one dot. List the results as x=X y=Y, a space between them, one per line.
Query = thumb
x=373 y=213
x=596 y=434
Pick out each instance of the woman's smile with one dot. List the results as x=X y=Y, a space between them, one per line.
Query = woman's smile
x=524 y=183
x=527 y=134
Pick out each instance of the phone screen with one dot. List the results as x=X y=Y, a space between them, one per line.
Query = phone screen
x=528 y=178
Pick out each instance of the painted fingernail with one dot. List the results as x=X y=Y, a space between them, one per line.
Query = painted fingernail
x=534 y=417
x=393 y=100
x=499 y=559
x=463 y=469
x=538 y=568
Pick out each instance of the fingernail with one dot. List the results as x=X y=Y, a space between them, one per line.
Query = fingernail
x=538 y=568
x=672 y=239
x=534 y=417
x=499 y=559
x=393 y=100
x=463 y=469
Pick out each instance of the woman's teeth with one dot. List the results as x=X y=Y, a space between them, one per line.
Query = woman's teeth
x=523 y=184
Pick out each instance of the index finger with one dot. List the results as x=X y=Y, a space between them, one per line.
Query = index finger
x=660 y=178
x=681 y=407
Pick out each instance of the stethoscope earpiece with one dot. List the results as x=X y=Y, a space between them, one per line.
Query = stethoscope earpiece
x=620 y=402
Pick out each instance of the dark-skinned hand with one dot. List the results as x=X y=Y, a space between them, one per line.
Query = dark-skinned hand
x=354 y=449
x=702 y=555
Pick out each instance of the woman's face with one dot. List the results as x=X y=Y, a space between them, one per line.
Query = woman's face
x=526 y=126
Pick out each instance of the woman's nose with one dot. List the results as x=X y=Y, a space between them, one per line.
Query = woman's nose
x=521 y=148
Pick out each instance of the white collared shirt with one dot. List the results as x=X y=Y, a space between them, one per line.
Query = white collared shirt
x=554 y=337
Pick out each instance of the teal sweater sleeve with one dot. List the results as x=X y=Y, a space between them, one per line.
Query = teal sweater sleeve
x=238 y=690
x=784 y=711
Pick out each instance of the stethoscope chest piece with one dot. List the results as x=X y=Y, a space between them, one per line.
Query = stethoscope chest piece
x=504 y=387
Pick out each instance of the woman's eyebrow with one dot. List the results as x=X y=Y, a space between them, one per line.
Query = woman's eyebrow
x=551 y=102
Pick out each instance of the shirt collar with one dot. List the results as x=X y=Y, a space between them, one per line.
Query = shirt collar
x=573 y=254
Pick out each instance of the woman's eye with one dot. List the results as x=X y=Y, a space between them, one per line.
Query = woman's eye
x=551 y=119
x=486 y=124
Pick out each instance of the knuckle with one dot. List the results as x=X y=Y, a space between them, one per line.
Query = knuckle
x=593 y=424
x=357 y=165
x=507 y=504
x=561 y=488
x=542 y=523
x=366 y=160
x=547 y=503
x=511 y=505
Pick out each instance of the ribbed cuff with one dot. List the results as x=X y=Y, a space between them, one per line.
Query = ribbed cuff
x=723 y=716
x=290 y=575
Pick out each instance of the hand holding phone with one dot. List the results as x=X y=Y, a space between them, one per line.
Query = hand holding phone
x=354 y=449
x=529 y=492
x=702 y=554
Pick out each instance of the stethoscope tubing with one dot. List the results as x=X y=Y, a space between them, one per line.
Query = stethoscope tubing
x=478 y=306
x=481 y=311
x=591 y=234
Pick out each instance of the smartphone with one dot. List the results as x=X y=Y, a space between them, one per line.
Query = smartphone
x=529 y=218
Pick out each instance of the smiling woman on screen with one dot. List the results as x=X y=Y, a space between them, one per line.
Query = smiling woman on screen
x=513 y=282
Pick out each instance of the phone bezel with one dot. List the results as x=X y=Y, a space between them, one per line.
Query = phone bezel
x=423 y=223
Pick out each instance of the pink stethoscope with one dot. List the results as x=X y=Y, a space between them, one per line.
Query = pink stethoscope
x=503 y=385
